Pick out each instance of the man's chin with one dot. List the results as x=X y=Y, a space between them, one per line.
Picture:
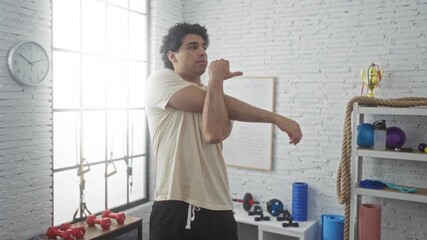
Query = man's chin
x=202 y=71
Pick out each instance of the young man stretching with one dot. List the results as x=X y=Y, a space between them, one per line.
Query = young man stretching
x=188 y=122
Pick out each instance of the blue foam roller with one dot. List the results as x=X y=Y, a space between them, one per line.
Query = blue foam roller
x=299 y=201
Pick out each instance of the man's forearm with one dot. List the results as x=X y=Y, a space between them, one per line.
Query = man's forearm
x=241 y=111
x=215 y=119
x=244 y=112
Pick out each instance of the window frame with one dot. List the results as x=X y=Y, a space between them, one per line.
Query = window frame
x=82 y=110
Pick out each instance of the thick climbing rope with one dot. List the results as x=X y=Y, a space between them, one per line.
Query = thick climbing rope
x=343 y=176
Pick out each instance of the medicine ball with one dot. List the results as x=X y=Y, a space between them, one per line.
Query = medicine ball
x=395 y=138
x=365 y=135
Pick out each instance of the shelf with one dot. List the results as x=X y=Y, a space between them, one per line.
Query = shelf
x=359 y=156
x=419 y=196
x=392 y=154
x=413 y=111
x=307 y=230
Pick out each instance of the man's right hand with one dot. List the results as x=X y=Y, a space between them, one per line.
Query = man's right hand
x=219 y=70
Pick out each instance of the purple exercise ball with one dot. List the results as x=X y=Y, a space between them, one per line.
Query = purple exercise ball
x=395 y=138
x=422 y=146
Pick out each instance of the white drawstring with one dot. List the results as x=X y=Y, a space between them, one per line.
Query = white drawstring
x=191 y=215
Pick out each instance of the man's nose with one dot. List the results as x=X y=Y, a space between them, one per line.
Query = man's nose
x=202 y=51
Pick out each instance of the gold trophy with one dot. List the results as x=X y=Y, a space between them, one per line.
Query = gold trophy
x=371 y=78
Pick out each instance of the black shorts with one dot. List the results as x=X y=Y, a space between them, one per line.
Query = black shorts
x=168 y=221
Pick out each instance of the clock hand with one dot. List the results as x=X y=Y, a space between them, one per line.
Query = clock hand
x=25 y=58
x=38 y=60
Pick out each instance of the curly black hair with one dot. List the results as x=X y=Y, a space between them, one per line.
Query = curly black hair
x=173 y=40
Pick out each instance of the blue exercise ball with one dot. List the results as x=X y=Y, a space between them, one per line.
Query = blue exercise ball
x=395 y=138
x=365 y=135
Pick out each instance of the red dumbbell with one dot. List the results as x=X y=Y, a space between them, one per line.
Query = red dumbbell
x=120 y=217
x=104 y=222
x=78 y=232
x=53 y=232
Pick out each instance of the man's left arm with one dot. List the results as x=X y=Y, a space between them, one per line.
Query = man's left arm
x=216 y=122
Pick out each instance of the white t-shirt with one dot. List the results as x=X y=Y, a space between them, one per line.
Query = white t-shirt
x=188 y=168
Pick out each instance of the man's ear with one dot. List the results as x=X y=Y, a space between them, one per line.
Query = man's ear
x=171 y=56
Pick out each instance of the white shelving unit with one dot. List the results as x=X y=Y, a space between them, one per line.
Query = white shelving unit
x=358 y=154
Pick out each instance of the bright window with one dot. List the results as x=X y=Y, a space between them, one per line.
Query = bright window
x=100 y=147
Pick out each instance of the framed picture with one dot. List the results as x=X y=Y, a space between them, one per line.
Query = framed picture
x=250 y=144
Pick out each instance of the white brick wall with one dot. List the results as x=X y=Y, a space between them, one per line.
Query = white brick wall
x=25 y=127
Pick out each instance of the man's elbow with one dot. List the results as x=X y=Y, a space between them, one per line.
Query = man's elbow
x=216 y=137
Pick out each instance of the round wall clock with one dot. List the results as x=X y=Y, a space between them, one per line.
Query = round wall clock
x=28 y=63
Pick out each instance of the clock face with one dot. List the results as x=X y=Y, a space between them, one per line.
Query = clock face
x=28 y=63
